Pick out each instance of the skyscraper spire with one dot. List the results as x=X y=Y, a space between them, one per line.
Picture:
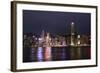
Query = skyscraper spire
x=42 y=34
x=72 y=28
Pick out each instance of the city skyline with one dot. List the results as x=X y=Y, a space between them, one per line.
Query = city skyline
x=55 y=36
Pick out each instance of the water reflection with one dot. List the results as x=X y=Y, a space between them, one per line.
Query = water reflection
x=40 y=54
x=63 y=54
x=47 y=54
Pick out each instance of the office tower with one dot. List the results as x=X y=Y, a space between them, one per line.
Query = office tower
x=43 y=35
x=72 y=34
x=78 y=40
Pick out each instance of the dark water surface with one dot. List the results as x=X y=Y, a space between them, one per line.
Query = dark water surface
x=55 y=54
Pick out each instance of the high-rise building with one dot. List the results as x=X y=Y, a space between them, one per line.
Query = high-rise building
x=72 y=34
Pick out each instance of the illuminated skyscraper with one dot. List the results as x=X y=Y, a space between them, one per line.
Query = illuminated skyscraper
x=72 y=33
x=43 y=35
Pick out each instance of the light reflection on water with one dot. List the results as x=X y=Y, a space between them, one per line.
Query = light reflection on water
x=39 y=54
x=55 y=54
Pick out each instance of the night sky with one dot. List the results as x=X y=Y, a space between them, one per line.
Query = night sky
x=55 y=22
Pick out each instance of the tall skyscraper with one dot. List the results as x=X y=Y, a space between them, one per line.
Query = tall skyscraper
x=72 y=33
x=42 y=34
